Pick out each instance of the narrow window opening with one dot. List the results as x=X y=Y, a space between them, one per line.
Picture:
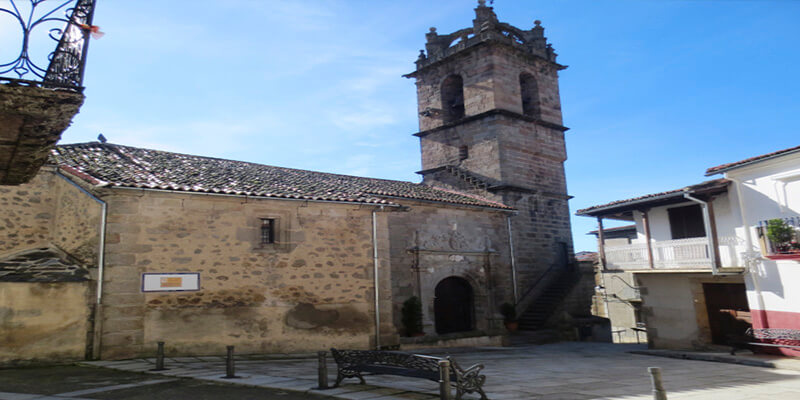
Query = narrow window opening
x=529 y=91
x=453 y=98
x=267 y=231
x=463 y=153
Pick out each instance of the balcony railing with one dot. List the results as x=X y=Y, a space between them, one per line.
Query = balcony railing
x=670 y=254
x=35 y=23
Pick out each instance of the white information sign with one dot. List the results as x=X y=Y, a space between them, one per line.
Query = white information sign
x=171 y=282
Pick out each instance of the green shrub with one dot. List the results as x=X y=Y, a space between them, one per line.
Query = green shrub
x=509 y=312
x=412 y=316
x=779 y=233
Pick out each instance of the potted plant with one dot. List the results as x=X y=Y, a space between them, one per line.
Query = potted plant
x=780 y=234
x=412 y=316
x=509 y=313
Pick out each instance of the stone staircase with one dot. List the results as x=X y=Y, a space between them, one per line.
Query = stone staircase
x=466 y=176
x=541 y=309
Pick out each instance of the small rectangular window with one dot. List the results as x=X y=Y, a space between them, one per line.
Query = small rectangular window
x=267 y=231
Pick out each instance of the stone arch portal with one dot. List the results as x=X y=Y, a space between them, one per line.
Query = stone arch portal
x=453 y=305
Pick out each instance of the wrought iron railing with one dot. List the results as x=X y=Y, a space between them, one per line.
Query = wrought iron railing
x=67 y=22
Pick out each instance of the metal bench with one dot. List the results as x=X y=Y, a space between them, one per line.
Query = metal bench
x=357 y=363
x=778 y=336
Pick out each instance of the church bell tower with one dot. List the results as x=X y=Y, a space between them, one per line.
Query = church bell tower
x=490 y=124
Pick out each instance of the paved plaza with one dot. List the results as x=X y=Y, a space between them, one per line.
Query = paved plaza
x=570 y=370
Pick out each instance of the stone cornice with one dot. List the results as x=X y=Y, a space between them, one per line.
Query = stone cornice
x=497 y=111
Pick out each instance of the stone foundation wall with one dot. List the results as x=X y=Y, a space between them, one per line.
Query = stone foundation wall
x=43 y=321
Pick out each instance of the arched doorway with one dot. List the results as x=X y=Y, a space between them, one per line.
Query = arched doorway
x=452 y=306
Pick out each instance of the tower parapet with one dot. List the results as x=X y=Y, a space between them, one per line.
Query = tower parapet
x=486 y=28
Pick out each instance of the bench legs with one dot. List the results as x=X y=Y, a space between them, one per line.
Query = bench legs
x=460 y=392
x=340 y=375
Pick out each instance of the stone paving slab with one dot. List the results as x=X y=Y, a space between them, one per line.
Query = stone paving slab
x=573 y=370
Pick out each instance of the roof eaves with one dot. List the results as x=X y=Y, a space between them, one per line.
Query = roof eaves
x=749 y=161
x=593 y=211
x=703 y=187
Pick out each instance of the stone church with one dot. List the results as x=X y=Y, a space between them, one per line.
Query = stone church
x=111 y=248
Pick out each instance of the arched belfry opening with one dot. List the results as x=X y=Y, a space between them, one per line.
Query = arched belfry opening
x=453 y=305
x=529 y=91
x=452 y=98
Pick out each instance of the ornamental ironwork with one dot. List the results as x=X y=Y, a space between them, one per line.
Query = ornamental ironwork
x=67 y=22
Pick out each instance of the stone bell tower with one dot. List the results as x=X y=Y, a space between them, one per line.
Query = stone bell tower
x=490 y=123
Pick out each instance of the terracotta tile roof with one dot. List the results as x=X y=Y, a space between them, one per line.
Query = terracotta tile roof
x=615 y=229
x=714 y=183
x=124 y=166
x=725 y=167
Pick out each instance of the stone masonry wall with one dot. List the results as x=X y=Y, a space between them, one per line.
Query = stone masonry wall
x=312 y=290
x=76 y=226
x=48 y=210
x=539 y=228
x=28 y=213
x=502 y=149
x=452 y=242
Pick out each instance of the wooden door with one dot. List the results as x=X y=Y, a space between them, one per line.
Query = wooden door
x=728 y=311
x=453 y=305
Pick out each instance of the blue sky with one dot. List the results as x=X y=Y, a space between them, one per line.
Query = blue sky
x=656 y=91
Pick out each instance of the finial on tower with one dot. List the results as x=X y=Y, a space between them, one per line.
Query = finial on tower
x=481 y=3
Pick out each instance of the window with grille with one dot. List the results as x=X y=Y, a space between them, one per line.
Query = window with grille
x=267 y=231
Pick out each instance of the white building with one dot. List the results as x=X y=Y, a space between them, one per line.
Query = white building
x=767 y=187
x=701 y=260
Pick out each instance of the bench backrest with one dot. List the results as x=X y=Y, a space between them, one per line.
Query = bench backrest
x=387 y=358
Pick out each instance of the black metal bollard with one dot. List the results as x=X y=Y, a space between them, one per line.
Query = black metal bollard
x=658 y=388
x=230 y=368
x=444 y=380
x=159 y=358
x=322 y=371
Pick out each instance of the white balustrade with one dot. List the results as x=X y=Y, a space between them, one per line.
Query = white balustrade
x=689 y=253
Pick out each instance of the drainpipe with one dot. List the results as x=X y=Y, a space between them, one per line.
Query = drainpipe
x=375 y=263
x=98 y=306
x=748 y=240
x=601 y=242
x=707 y=223
x=513 y=260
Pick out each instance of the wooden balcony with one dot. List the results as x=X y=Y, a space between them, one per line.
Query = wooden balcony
x=680 y=254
